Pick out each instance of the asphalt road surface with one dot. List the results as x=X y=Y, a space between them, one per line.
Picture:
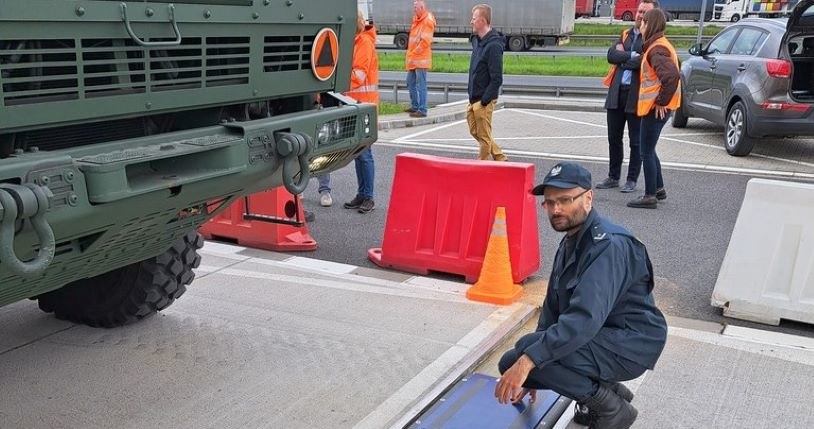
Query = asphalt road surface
x=687 y=236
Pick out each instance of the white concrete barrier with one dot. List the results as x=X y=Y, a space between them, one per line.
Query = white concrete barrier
x=768 y=271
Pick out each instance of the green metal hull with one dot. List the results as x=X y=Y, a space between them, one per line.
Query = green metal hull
x=122 y=201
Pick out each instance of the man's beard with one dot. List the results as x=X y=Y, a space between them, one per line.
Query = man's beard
x=570 y=222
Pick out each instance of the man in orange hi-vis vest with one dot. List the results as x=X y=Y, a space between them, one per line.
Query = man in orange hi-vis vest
x=364 y=88
x=419 y=58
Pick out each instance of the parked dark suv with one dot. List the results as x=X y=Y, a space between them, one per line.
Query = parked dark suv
x=756 y=78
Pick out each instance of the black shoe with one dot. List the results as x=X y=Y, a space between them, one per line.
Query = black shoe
x=354 y=203
x=308 y=215
x=367 y=205
x=607 y=184
x=644 y=202
x=629 y=187
x=610 y=411
x=661 y=194
x=410 y=110
x=583 y=416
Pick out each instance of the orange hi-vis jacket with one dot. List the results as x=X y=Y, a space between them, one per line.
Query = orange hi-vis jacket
x=649 y=83
x=419 y=46
x=609 y=77
x=364 y=78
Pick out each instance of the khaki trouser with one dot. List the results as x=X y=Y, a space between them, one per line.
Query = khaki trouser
x=479 y=118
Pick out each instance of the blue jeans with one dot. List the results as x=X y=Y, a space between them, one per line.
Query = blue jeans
x=417 y=85
x=650 y=132
x=365 y=173
x=324 y=180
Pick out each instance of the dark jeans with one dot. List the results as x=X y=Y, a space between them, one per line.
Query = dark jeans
x=577 y=375
x=616 y=133
x=365 y=172
x=650 y=132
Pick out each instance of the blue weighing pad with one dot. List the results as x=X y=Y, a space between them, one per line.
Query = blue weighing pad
x=471 y=404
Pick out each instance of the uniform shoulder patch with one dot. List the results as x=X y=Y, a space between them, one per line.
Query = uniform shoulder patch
x=598 y=233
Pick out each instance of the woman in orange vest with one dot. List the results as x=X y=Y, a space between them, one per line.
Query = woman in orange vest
x=364 y=88
x=659 y=96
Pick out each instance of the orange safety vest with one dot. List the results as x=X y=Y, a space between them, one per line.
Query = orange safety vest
x=649 y=83
x=419 y=46
x=364 y=78
x=609 y=77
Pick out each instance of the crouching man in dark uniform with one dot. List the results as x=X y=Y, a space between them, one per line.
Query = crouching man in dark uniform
x=599 y=323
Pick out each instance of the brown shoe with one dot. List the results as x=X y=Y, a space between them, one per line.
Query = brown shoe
x=644 y=202
x=418 y=115
x=501 y=158
x=409 y=110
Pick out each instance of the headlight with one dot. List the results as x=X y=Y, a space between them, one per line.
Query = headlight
x=324 y=134
x=329 y=131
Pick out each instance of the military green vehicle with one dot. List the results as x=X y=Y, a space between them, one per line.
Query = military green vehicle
x=126 y=125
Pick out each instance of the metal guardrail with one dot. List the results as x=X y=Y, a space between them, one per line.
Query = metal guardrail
x=448 y=88
x=611 y=38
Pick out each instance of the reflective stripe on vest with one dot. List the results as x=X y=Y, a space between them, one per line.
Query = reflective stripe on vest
x=649 y=83
x=365 y=88
x=609 y=77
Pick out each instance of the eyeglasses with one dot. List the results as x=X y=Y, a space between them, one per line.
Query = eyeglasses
x=563 y=201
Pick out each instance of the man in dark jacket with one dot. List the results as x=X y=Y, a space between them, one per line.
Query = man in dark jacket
x=485 y=78
x=623 y=95
x=599 y=323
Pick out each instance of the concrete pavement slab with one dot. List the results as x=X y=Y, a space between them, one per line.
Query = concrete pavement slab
x=257 y=342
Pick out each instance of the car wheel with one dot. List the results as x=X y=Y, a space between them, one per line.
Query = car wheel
x=738 y=142
x=627 y=16
x=735 y=18
x=680 y=118
x=400 y=40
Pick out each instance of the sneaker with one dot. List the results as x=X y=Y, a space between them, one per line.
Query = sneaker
x=367 y=205
x=409 y=110
x=607 y=184
x=644 y=202
x=629 y=187
x=354 y=203
x=325 y=199
x=418 y=115
x=661 y=194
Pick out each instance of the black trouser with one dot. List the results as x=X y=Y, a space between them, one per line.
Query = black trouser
x=616 y=133
x=578 y=374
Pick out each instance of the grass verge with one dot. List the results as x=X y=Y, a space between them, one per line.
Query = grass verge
x=512 y=64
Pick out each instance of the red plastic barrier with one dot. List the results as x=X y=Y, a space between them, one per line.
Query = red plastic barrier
x=271 y=220
x=441 y=213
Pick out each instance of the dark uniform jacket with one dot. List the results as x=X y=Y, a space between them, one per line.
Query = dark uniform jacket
x=602 y=293
x=486 y=67
x=623 y=62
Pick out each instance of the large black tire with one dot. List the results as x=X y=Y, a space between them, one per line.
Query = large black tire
x=680 y=118
x=130 y=293
x=516 y=43
x=401 y=40
x=738 y=142
x=627 y=16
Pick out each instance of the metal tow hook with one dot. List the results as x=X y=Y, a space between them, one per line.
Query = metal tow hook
x=295 y=148
x=19 y=202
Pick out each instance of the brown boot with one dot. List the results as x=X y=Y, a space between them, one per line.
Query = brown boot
x=644 y=202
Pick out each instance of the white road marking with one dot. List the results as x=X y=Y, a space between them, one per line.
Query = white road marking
x=547 y=155
x=707 y=145
x=434 y=129
x=470 y=139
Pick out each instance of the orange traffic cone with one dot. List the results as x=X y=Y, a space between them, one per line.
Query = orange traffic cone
x=495 y=283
